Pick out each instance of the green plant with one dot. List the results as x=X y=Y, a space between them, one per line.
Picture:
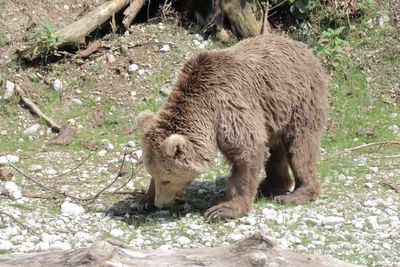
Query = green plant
x=45 y=41
x=330 y=45
x=300 y=9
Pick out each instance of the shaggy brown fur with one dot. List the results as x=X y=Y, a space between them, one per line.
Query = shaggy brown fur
x=260 y=102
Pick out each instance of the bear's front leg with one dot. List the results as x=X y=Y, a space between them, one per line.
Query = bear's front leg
x=147 y=201
x=241 y=191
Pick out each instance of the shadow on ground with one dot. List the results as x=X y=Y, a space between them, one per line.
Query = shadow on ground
x=197 y=198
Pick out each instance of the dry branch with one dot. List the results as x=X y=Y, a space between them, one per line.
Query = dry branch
x=131 y=12
x=382 y=143
x=76 y=32
x=19 y=222
x=258 y=250
x=36 y=110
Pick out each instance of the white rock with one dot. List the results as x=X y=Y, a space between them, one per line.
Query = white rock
x=165 y=48
x=198 y=37
x=202 y=46
x=42 y=246
x=9 y=90
x=373 y=169
x=373 y=203
x=161 y=26
x=71 y=209
x=102 y=153
x=12 y=190
x=183 y=240
x=109 y=147
x=50 y=171
x=83 y=237
x=31 y=130
x=138 y=153
x=394 y=128
x=5 y=245
x=334 y=220
x=131 y=144
x=77 y=101
x=393 y=115
x=57 y=85
x=269 y=214
x=4 y=160
x=236 y=236
x=110 y=58
x=141 y=72
x=35 y=168
x=50 y=238
x=59 y=245
x=133 y=93
x=374 y=223
x=342 y=177
x=117 y=232
x=132 y=68
x=368 y=185
x=196 y=43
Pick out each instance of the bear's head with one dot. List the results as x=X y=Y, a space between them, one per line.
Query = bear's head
x=171 y=161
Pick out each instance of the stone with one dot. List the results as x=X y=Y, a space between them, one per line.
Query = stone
x=394 y=128
x=166 y=90
x=42 y=246
x=5 y=160
x=373 y=169
x=110 y=58
x=50 y=238
x=165 y=48
x=9 y=90
x=333 y=220
x=183 y=240
x=71 y=209
x=117 y=232
x=236 y=236
x=77 y=101
x=269 y=214
x=36 y=168
x=32 y=130
x=57 y=85
x=132 y=68
x=141 y=72
x=102 y=153
x=5 y=245
x=12 y=190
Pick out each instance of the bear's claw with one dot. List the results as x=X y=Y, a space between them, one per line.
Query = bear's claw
x=219 y=212
x=146 y=203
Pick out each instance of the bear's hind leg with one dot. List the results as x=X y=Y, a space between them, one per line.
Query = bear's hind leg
x=241 y=191
x=303 y=154
x=278 y=180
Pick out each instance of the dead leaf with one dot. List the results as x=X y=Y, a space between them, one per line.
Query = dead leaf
x=64 y=137
x=6 y=174
x=92 y=146
x=98 y=118
x=128 y=129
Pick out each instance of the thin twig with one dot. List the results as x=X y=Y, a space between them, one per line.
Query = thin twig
x=92 y=199
x=133 y=172
x=382 y=143
x=73 y=169
x=50 y=189
x=394 y=188
x=19 y=222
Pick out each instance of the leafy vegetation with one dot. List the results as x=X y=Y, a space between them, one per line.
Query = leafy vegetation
x=45 y=40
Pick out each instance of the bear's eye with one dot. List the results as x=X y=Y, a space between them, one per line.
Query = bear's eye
x=165 y=182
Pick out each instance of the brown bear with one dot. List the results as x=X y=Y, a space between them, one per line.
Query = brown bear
x=262 y=103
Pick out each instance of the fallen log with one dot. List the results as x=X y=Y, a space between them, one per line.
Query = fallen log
x=75 y=33
x=258 y=250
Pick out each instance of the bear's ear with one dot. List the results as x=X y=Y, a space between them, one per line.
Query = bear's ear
x=174 y=143
x=143 y=119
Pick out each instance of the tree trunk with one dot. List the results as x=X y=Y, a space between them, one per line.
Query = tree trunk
x=228 y=18
x=258 y=250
